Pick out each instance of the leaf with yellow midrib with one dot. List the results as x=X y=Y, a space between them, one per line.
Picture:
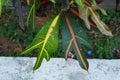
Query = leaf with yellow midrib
x=46 y=41
x=100 y=24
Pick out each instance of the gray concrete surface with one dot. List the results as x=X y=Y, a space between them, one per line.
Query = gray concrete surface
x=19 y=68
x=109 y=4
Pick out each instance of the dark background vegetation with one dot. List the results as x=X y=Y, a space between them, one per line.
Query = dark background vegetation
x=13 y=40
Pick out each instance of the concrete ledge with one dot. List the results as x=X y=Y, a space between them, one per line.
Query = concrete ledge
x=19 y=68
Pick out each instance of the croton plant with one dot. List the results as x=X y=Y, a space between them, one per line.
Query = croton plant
x=74 y=18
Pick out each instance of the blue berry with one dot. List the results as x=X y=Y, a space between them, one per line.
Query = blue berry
x=89 y=52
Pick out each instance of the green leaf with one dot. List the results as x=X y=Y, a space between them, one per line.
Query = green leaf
x=0 y=7
x=79 y=59
x=80 y=35
x=31 y=9
x=33 y=18
x=79 y=30
x=53 y=1
x=3 y=2
x=34 y=4
x=80 y=2
x=66 y=36
x=101 y=25
x=94 y=2
x=46 y=41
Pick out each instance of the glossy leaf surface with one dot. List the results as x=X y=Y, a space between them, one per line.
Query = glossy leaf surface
x=82 y=61
x=46 y=41
x=74 y=40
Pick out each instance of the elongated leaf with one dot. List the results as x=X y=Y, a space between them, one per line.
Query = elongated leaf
x=46 y=41
x=94 y=2
x=66 y=36
x=102 y=10
x=50 y=41
x=33 y=17
x=97 y=7
x=78 y=14
x=20 y=14
x=67 y=40
x=34 y=4
x=84 y=15
x=80 y=2
x=53 y=1
x=79 y=30
x=0 y=7
x=31 y=12
x=101 y=26
x=82 y=62
x=81 y=59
